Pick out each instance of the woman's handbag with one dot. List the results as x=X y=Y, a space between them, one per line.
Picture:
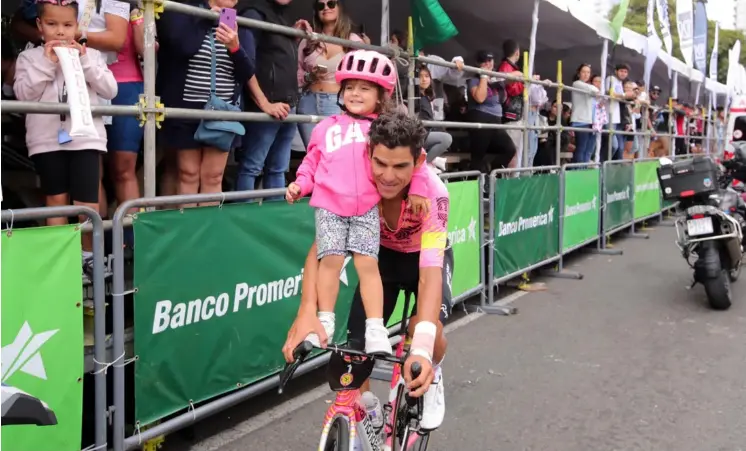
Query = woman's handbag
x=216 y=133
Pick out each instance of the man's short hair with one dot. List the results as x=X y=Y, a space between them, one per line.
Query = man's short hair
x=395 y=129
x=509 y=48
x=621 y=66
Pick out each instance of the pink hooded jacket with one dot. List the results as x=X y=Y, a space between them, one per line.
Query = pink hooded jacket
x=338 y=171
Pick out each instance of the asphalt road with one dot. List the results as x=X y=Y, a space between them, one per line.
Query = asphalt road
x=626 y=359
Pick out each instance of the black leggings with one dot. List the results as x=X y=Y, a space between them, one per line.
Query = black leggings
x=495 y=143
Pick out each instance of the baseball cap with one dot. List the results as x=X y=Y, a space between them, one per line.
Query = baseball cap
x=656 y=88
x=484 y=55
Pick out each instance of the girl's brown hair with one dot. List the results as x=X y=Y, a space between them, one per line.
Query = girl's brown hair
x=342 y=28
x=385 y=103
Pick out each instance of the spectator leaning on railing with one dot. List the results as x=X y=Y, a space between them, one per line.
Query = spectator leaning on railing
x=68 y=168
x=274 y=91
x=437 y=142
x=318 y=61
x=484 y=96
x=512 y=110
x=614 y=84
x=184 y=79
x=582 y=114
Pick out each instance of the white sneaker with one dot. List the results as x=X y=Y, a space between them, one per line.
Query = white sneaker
x=434 y=404
x=377 y=338
x=328 y=322
x=440 y=163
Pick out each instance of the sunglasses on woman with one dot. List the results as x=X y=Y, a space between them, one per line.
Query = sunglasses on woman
x=321 y=5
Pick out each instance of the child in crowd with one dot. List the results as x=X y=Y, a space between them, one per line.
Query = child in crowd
x=68 y=168
x=337 y=169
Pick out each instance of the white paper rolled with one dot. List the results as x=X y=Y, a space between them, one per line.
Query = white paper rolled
x=81 y=119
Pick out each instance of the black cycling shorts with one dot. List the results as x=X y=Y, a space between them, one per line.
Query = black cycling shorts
x=73 y=172
x=399 y=271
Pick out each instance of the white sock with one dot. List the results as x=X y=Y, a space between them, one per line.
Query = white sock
x=374 y=322
x=327 y=320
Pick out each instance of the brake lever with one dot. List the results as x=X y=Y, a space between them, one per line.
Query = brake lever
x=299 y=354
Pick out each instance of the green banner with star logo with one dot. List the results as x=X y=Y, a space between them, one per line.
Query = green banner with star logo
x=42 y=339
x=463 y=227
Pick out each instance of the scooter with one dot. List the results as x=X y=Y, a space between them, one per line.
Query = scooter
x=710 y=230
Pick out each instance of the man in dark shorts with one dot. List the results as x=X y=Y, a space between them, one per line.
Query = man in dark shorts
x=414 y=256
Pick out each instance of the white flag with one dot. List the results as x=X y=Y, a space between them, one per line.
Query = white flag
x=685 y=26
x=662 y=8
x=714 y=55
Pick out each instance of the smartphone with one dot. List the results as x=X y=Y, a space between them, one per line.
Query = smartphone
x=228 y=17
x=359 y=29
x=322 y=68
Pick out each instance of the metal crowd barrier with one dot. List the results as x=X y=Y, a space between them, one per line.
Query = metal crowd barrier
x=99 y=303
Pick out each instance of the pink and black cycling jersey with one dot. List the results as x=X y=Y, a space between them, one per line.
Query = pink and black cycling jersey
x=424 y=234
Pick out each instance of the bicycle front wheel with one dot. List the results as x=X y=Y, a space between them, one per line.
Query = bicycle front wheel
x=339 y=436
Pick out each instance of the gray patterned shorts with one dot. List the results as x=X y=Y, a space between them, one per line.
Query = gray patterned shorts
x=338 y=235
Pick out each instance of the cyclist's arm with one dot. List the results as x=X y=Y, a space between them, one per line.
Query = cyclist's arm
x=429 y=294
x=308 y=297
x=432 y=251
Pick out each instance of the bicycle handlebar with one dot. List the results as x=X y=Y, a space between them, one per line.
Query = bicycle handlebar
x=301 y=352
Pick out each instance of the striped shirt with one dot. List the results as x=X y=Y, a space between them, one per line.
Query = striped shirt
x=197 y=86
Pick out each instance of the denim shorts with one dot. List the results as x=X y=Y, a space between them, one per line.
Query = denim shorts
x=125 y=134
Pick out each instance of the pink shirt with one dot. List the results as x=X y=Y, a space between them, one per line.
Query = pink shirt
x=427 y=235
x=338 y=171
x=127 y=67
x=307 y=63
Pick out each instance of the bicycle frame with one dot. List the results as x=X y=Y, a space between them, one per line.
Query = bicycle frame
x=347 y=406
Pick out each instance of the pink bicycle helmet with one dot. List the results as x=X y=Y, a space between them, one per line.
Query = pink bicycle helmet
x=367 y=65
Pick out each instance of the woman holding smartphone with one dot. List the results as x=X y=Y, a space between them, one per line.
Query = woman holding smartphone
x=318 y=61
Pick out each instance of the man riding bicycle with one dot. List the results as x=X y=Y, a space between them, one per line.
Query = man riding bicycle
x=413 y=256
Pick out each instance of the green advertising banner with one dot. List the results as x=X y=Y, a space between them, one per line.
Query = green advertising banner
x=618 y=196
x=647 y=189
x=42 y=333
x=218 y=289
x=581 y=207
x=526 y=222
x=463 y=229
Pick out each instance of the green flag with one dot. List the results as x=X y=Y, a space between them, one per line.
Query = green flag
x=431 y=23
x=618 y=21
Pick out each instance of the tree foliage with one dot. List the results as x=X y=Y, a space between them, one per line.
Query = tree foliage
x=637 y=22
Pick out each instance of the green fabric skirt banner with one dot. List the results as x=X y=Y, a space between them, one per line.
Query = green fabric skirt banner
x=647 y=189
x=463 y=228
x=526 y=222
x=42 y=332
x=581 y=207
x=218 y=289
x=619 y=184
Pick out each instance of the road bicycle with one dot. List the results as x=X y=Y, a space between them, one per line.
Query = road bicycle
x=347 y=418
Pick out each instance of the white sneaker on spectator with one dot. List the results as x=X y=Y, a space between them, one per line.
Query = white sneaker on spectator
x=433 y=403
x=377 y=337
x=440 y=163
x=327 y=321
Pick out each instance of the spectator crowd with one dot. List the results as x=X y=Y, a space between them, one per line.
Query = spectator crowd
x=206 y=64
